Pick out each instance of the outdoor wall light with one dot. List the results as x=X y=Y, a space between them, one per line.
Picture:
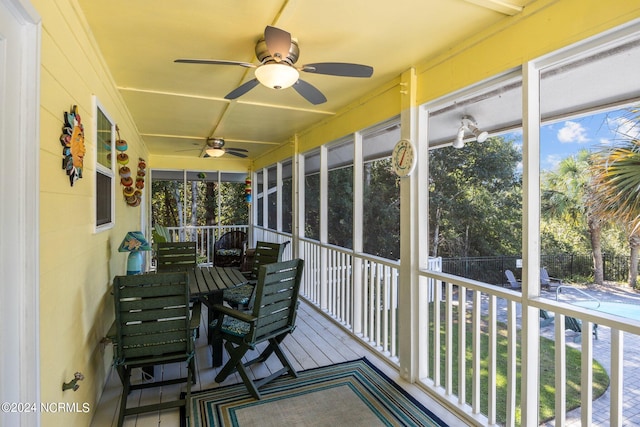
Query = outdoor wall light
x=468 y=123
x=459 y=142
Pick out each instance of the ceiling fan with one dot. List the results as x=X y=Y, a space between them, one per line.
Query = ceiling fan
x=215 y=148
x=277 y=53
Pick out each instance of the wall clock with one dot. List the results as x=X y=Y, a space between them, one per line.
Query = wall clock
x=403 y=158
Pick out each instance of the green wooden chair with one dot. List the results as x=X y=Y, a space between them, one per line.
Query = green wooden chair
x=271 y=320
x=228 y=251
x=575 y=325
x=265 y=253
x=154 y=326
x=175 y=256
x=545 y=318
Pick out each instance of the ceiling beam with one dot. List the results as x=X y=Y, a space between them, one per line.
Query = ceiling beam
x=499 y=6
x=200 y=138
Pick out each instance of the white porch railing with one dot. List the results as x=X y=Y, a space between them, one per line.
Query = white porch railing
x=204 y=236
x=360 y=293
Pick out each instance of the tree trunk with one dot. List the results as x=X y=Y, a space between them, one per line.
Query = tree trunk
x=176 y=197
x=194 y=209
x=595 y=231
x=436 y=234
x=210 y=204
x=634 y=245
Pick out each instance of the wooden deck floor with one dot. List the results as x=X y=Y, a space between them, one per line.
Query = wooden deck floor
x=317 y=341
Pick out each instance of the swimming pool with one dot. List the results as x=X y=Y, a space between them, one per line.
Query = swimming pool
x=630 y=311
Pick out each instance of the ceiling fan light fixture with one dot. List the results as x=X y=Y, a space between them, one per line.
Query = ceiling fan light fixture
x=277 y=75
x=214 y=152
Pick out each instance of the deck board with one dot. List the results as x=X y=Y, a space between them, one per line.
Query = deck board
x=317 y=341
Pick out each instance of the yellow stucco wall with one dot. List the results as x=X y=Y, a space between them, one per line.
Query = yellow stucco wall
x=76 y=264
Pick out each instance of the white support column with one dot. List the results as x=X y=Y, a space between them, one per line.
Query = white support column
x=297 y=171
x=265 y=197
x=358 y=227
x=324 y=231
x=530 y=243
x=408 y=280
x=421 y=244
x=279 y=196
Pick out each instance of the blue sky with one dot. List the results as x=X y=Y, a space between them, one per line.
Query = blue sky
x=562 y=139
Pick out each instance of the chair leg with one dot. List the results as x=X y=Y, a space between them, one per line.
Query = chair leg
x=125 y=375
x=235 y=360
x=283 y=358
x=269 y=349
x=248 y=382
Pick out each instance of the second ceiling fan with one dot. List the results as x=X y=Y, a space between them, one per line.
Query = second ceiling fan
x=277 y=53
x=215 y=148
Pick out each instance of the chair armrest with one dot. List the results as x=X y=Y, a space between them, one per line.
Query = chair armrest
x=237 y=314
x=112 y=332
x=196 y=311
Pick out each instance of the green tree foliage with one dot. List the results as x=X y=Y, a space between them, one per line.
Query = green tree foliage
x=168 y=198
x=312 y=206
x=616 y=182
x=340 y=207
x=381 y=206
x=475 y=199
x=565 y=197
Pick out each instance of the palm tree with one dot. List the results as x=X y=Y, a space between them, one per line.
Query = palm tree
x=616 y=179
x=566 y=196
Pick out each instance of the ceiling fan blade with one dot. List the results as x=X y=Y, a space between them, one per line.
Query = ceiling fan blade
x=278 y=42
x=237 y=149
x=309 y=92
x=343 y=69
x=233 y=153
x=215 y=62
x=242 y=89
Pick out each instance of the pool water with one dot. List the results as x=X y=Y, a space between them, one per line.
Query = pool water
x=629 y=311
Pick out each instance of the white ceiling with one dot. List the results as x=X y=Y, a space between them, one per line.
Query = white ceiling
x=177 y=106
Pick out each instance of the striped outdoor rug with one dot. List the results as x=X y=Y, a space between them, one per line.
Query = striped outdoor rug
x=347 y=394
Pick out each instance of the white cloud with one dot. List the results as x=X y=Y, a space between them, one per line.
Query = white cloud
x=572 y=132
x=624 y=127
x=551 y=161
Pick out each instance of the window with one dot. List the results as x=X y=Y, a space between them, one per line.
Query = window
x=340 y=194
x=287 y=194
x=312 y=195
x=260 y=192
x=381 y=193
x=272 y=198
x=105 y=195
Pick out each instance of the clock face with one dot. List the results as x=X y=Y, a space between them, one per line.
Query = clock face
x=403 y=158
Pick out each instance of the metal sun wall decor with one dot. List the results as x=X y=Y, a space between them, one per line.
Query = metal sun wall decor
x=72 y=140
x=133 y=185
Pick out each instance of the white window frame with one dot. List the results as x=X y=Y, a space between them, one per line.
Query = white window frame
x=101 y=169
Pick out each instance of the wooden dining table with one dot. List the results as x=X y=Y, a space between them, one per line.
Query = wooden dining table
x=206 y=284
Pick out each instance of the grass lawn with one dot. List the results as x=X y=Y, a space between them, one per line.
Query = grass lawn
x=547 y=373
